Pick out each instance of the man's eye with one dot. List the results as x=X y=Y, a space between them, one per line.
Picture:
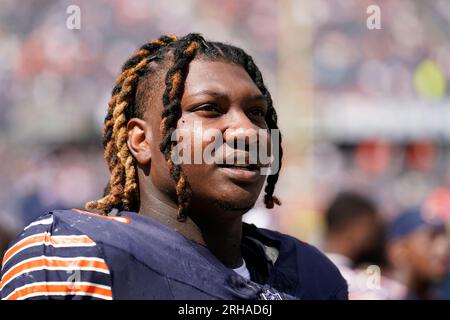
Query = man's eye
x=257 y=113
x=208 y=108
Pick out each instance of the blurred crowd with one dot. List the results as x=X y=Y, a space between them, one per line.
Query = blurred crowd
x=405 y=258
x=378 y=199
x=382 y=100
x=55 y=83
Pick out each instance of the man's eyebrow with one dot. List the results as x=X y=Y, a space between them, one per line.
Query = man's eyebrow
x=256 y=97
x=217 y=94
x=209 y=93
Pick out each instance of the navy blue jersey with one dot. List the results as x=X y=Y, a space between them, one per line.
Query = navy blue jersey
x=74 y=254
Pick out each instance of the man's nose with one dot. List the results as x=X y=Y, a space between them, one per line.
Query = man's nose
x=241 y=131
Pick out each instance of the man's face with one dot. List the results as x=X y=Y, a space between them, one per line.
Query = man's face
x=218 y=96
x=365 y=232
x=427 y=252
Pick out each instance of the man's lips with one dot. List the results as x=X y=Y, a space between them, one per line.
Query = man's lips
x=241 y=172
x=240 y=159
x=238 y=165
x=244 y=166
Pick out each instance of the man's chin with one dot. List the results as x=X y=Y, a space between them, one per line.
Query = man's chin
x=234 y=206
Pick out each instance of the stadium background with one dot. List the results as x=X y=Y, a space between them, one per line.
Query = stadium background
x=359 y=109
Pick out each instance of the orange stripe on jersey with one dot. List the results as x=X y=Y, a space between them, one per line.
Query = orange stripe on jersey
x=61 y=289
x=44 y=262
x=46 y=238
x=125 y=220
x=70 y=240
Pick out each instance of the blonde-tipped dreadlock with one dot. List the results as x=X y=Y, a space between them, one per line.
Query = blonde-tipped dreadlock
x=122 y=188
x=122 y=191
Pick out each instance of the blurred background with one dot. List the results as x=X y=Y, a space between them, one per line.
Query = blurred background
x=364 y=113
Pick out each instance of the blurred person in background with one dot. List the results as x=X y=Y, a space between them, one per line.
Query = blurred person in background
x=418 y=255
x=353 y=237
x=47 y=181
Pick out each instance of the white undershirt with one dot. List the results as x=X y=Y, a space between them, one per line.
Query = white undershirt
x=243 y=271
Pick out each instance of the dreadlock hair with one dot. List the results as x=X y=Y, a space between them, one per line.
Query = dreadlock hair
x=122 y=190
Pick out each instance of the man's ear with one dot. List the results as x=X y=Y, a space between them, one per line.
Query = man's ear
x=139 y=141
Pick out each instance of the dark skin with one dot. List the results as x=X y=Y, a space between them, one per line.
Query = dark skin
x=420 y=259
x=219 y=95
x=356 y=238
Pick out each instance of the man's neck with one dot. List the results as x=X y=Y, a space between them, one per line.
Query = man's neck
x=419 y=287
x=158 y=206
x=223 y=238
x=340 y=246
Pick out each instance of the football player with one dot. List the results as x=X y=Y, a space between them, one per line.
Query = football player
x=168 y=230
